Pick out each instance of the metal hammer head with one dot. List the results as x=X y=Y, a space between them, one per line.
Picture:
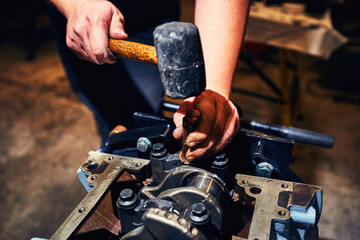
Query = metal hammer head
x=180 y=59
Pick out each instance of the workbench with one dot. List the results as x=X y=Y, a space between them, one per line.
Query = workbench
x=291 y=30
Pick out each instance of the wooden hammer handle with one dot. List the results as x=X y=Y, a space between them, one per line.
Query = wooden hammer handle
x=133 y=50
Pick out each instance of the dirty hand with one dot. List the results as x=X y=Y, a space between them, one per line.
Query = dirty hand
x=218 y=125
x=90 y=24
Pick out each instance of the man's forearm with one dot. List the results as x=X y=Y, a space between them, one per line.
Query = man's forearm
x=221 y=25
x=65 y=6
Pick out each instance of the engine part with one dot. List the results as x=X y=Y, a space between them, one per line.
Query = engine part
x=99 y=172
x=282 y=210
x=190 y=203
x=187 y=200
x=131 y=197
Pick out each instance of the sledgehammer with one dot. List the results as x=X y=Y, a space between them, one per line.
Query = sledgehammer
x=178 y=54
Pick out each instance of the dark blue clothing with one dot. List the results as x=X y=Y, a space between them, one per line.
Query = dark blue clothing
x=115 y=91
x=141 y=15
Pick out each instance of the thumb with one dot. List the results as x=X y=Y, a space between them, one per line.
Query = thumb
x=178 y=116
x=116 y=28
x=177 y=133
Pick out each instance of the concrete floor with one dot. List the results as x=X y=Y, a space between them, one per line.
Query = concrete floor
x=46 y=133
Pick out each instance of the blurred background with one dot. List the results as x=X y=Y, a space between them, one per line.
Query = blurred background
x=46 y=132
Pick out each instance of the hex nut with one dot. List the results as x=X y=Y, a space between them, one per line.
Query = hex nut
x=199 y=213
x=127 y=198
x=143 y=144
x=264 y=169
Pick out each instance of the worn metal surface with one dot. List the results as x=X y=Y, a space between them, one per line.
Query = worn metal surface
x=282 y=209
x=109 y=167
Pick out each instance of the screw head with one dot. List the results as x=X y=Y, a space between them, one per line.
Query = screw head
x=199 y=213
x=126 y=194
x=264 y=169
x=127 y=197
x=158 y=150
x=158 y=147
x=220 y=160
x=143 y=144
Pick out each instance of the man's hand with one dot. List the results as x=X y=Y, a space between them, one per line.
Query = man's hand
x=90 y=23
x=219 y=124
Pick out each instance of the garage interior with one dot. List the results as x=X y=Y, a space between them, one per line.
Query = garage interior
x=46 y=132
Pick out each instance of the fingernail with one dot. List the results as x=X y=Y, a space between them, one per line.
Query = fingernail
x=190 y=158
x=192 y=144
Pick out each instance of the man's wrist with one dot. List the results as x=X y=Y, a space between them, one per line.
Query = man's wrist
x=222 y=88
x=67 y=7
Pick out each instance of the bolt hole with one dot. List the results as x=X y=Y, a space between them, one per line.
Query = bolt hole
x=281 y=212
x=81 y=210
x=92 y=165
x=244 y=181
x=255 y=190
x=93 y=178
x=111 y=158
x=284 y=185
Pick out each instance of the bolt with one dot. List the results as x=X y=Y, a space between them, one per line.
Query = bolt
x=126 y=194
x=158 y=150
x=127 y=197
x=220 y=160
x=194 y=231
x=182 y=221
x=199 y=212
x=143 y=144
x=264 y=169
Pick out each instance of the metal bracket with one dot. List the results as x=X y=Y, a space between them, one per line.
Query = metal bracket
x=283 y=210
x=102 y=170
